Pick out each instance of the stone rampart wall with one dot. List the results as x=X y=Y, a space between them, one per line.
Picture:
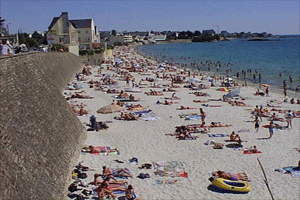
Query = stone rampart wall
x=40 y=136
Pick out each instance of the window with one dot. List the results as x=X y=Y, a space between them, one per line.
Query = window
x=78 y=31
x=79 y=39
x=86 y=31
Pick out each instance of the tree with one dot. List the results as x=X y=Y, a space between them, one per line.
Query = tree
x=113 y=32
x=189 y=34
x=197 y=33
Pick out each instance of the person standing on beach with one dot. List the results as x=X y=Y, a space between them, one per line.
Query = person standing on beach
x=289 y=117
x=203 y=115
x=256 y=124
x=267 y=91
x=284 y=83
x=257 y=112
x=271 y=129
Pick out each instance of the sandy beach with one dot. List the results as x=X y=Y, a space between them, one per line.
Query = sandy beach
x=146 y=139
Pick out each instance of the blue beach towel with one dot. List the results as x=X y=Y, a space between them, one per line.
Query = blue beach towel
x=218 y=135
x=193 y=117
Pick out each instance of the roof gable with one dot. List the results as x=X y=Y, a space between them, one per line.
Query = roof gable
x=55 y=19
x=81 y=23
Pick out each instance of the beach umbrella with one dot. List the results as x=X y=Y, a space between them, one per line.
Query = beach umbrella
x=233 y=93
x=137 y=90
x=110 y=109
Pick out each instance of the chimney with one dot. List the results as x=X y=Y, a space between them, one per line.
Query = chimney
x=65 y=19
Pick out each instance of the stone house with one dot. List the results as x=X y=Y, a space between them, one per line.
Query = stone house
x=82 y=32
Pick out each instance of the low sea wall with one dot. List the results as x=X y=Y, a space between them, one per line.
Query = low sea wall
x=40 y=136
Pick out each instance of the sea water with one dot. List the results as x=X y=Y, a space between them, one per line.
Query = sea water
x=269 y=58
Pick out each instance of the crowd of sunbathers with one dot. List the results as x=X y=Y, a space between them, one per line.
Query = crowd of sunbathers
x=129 y=116
x=108 y=184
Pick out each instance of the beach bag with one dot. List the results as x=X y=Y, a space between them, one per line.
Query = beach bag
x=218 y=146
x=146 y=166
x=82 y=175
x=143 y=176
x=72 y=187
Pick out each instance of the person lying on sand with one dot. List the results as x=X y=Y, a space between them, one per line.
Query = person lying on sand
x=231 y=176
x=185 y=135
x=98 y=181
x=200 y=101
x=201 y=94
x=79 y=96
x=218 y=124
x=108 y=172
x=112 y=91
x=93 y=149
x=274 y=117
x=129 y=116
x=112 y=187
x=123 y=94
x=235 y=137
x=184 y=108
x=237 y=103
x=103 y=192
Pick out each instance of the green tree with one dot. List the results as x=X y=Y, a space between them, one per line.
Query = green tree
x=114 y=32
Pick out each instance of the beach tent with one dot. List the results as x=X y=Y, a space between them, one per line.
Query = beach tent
x=110 y=109
x=233 y=93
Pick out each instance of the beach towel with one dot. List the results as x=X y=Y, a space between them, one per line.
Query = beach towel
x=171 y=168
x=250 y=152
x=185 y=115
x=294 y=171
x=167 y=182
x=193 y=117
x=218 y=135
x=142 y=112
x=149 y=116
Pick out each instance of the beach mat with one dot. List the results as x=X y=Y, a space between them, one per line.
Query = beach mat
x=218 y=135
x=193 y=117
x=250 y=152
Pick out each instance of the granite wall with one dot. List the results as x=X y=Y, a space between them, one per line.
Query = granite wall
x=40 y=136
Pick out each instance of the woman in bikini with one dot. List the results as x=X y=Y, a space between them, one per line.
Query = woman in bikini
x=231 y=176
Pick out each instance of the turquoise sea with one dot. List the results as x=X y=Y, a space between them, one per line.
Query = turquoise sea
x=269 y=58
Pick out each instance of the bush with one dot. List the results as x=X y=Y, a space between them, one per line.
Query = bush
x=58 y=47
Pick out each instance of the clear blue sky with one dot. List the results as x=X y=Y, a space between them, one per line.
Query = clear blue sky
x=276 y=17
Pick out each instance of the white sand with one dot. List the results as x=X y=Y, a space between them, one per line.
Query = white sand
x=147 y=141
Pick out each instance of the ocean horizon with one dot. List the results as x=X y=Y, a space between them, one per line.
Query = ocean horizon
x=276 y=60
